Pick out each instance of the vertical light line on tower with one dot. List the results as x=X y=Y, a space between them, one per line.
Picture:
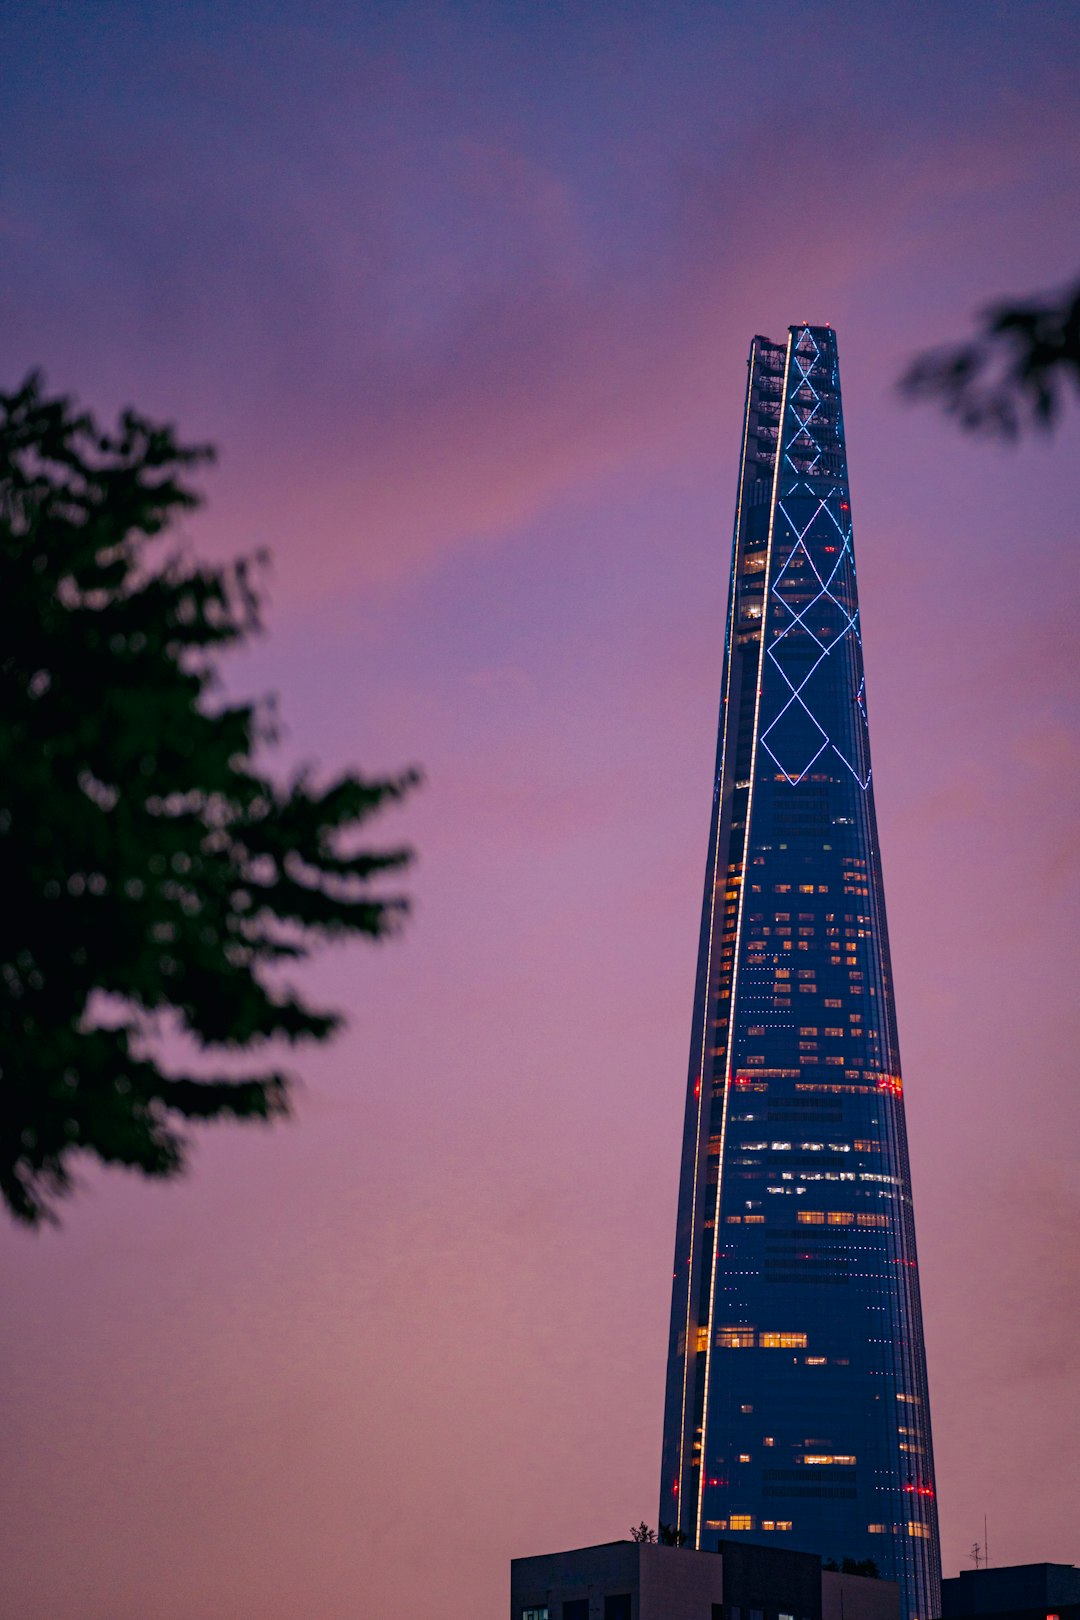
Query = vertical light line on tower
x=719 y=788
x=738 y=932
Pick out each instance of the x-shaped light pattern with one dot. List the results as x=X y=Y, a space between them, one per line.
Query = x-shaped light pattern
x=797 y=688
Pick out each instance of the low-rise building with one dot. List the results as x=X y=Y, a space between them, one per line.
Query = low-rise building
x=629 y=1580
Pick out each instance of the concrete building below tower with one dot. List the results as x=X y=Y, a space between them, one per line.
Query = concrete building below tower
x=629 y=1580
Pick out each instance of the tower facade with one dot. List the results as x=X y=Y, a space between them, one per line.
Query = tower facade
x=797 y=1408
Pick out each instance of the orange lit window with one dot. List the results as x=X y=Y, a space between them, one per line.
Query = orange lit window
x=744 y=1456
x=828 y=1460
x=782 y=1341
x=920 y=1530
x=811 y=1217
x=741 y=1521
x=735 y=1338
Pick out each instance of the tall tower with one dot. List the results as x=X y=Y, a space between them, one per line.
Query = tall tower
x=797 y=1409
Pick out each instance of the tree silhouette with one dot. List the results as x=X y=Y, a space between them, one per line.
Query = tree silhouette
x=155 y=877
x=672 y=1536
x=1013 y=375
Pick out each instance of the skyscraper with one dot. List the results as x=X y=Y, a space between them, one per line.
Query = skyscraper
x=797 y=1407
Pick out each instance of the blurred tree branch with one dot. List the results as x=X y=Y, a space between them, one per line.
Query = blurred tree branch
x=1013 y=375
x=149 y=866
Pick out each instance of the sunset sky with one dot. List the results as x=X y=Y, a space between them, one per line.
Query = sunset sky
x=464 y=293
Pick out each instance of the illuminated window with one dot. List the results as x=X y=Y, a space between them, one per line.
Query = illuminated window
x=811 y=1217
x=768 y=1524
x=769 y=1440
x=816 y=1361
x=828 y=1460
x=716 y=1524
x=830 y=1031
x=752 y=1220
x=746 y=1408
x=834 y=1060
x=834 y=1003
x=744 y=1456
x=782 y=1341
x=876 y=1529
x=702 y=1339
x=783 y=1524
x=741 y=1521
x=535 y=1614
x=919 y=1530
x=735 y=1338
x=872 y=1220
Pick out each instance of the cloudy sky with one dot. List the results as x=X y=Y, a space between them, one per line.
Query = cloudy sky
x=464 y=292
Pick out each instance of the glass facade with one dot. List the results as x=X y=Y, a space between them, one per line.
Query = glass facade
x=797 y=1409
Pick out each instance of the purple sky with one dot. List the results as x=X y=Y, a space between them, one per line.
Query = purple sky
x=464 y=293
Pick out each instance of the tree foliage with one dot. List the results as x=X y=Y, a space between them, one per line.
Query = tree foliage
x=1013 y=375
x=853 y=1566
x=154 y=876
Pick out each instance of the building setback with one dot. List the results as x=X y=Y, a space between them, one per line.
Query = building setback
x=797 y=1408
